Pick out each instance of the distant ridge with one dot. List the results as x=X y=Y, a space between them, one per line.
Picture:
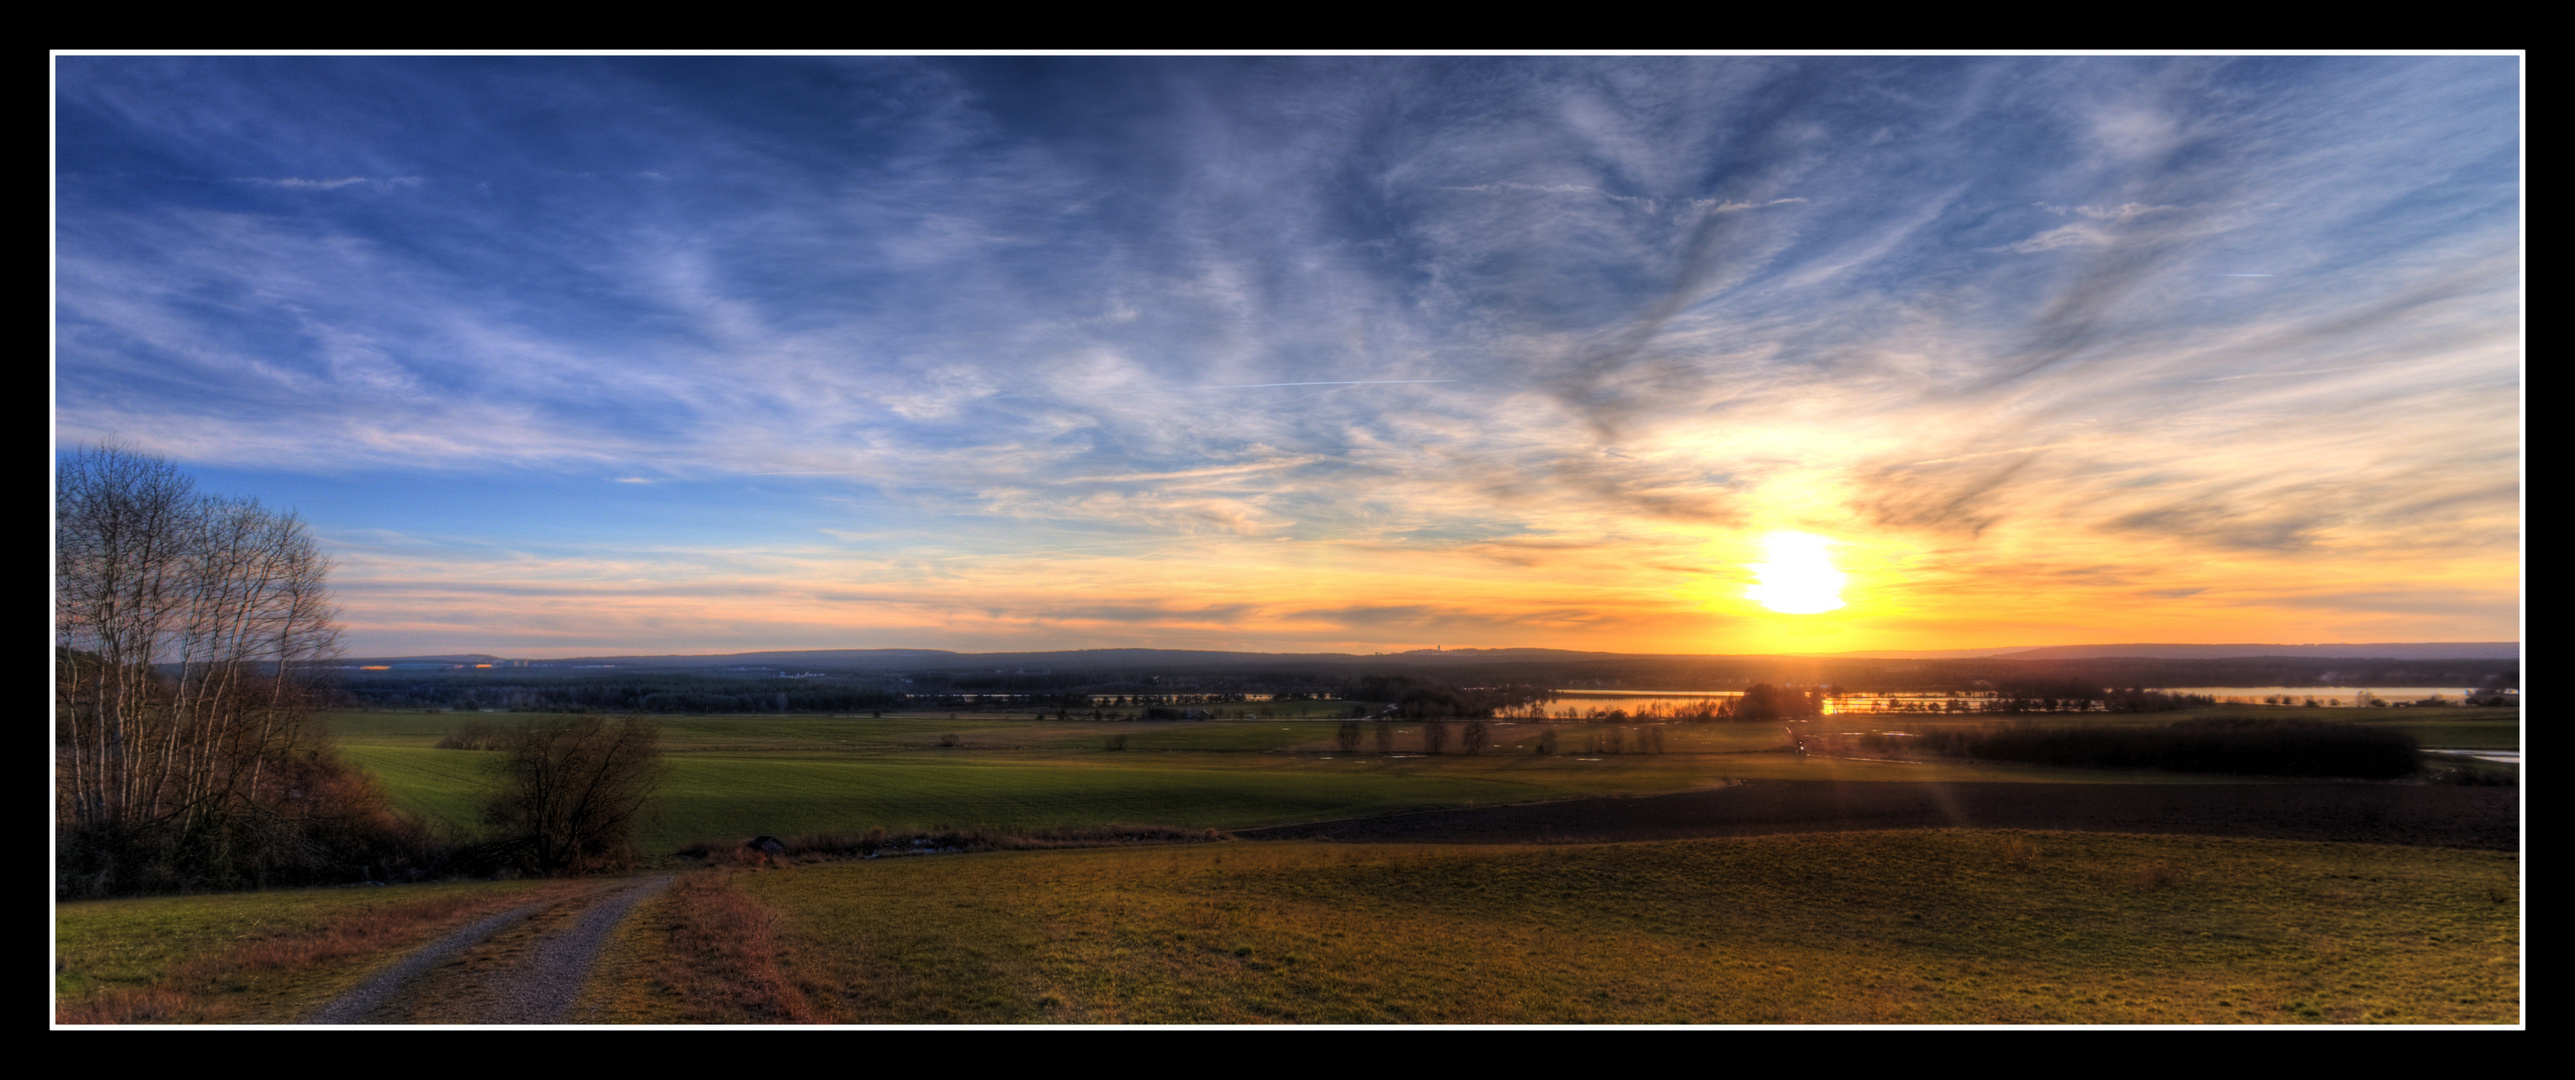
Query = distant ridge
x=1929 y=654
x=453 y=658
x=2389 y=650
x=908 y=658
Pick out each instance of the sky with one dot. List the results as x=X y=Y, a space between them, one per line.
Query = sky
x=565 y=356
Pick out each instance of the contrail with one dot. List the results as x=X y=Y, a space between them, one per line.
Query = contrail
x=1359 y=382
x=2248 y=275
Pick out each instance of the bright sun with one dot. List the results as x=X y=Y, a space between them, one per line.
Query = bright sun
x=1799 y=579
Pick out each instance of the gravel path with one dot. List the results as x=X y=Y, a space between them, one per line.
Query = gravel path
x=357 y=1005
x=539 y=989
x=544 y=989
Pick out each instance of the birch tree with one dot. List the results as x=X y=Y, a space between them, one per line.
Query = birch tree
x=185 y=626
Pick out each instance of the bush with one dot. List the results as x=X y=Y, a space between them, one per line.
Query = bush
x=570 y=792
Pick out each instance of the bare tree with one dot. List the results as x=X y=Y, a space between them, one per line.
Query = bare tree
x=1348 y=736
x=1434 y=736
x=571 y=792
x=1385 y=736
x=1478 y=736
x=185 y=625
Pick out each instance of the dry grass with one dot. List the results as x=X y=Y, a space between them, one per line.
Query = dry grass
x=2017 y=853
x=249 y=958
x=701 y=953
x=1918 y=927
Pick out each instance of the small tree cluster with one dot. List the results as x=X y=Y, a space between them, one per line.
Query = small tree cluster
x=570 y=792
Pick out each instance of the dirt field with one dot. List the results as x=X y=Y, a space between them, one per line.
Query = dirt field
x=2464 y=817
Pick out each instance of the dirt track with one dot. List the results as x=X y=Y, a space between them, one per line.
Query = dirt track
x=2465 y=817
x=524 y=966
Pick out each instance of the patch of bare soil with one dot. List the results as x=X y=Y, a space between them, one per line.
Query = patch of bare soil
x=2416 y=815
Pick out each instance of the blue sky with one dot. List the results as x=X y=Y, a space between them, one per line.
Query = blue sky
x=591 y=354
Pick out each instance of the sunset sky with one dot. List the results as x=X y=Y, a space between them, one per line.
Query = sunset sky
x=565 y=356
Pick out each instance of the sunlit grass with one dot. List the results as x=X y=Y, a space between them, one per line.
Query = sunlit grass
x=745 y=776
x=1917 y=927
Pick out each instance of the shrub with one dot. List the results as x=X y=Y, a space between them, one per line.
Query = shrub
x=570 y=792
x=2018 y=854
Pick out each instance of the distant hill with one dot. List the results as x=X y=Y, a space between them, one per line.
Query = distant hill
x=2392 y=650
x=456 y=658
x=1182 y=659
x=1076 y=659
x=1932 y=654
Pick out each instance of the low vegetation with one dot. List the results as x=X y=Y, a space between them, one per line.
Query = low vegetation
x=702 y=952
x=1929 y=927
x=744 y=776
x=570 y=792
x=249 y=958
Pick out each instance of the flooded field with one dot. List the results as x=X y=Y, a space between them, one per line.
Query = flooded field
x=1597 y=704
x=2331 y=697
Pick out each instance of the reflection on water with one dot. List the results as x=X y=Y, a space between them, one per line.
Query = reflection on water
x=2325 y=696
x=1597 y=704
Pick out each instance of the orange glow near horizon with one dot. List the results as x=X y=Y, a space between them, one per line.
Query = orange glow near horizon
x=1653 y=589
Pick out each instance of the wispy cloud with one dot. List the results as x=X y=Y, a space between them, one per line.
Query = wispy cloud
x=1318 y=328
x=298 y=182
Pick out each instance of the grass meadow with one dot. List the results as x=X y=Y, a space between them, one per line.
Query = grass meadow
x=1930 y=927
x=1953 y=927
x=742 y=776
x=253 y=958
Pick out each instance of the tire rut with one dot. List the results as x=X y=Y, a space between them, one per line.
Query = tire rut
x=525 y=966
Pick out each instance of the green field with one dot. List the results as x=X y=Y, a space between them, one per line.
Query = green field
x=749 y=775
x=1916 y=927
